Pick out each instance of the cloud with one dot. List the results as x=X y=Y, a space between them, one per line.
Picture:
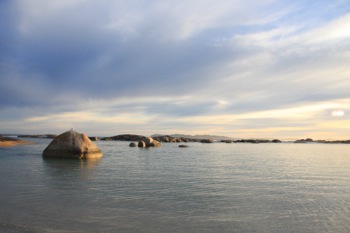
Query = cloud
x=187 y=65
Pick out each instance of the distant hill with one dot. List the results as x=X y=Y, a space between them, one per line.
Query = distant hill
x=212 y=137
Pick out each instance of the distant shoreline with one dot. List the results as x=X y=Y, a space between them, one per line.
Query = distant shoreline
x=11 y=139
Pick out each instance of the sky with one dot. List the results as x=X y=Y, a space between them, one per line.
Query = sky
x=244 y=69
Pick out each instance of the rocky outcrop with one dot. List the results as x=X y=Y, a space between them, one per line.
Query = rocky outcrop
x=164 y=138
x=72 y=145
x=334 y=142
x=254 y=141
x=132 y=144
x=276 y=141
x=207 y=141
x=304 y=140
x=167 y=138
x=309 y=140
x=171 y=139
x=226 y=141
x=149 y=142
x=124 y=137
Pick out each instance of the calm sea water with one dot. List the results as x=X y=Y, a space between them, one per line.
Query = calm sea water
x=204 y=188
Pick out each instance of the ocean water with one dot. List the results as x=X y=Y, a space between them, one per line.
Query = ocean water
x=204 y=188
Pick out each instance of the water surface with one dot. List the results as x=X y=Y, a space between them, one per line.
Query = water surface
x=204 y=188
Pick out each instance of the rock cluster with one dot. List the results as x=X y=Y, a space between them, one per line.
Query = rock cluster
x=206 y=141
x=252 y=141
x=161 y=138
x=124 y=137
x=304 y=140
x=72 y=145
x=148 y=142
x=226 y=141
x=310 y=140
x=167 y=138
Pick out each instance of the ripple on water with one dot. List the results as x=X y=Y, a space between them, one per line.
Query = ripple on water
x=205 y=188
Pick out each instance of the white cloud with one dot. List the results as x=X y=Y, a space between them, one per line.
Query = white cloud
x=335 y=31
x=294 y=38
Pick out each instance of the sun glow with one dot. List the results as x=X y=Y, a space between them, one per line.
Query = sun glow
x=338 y=113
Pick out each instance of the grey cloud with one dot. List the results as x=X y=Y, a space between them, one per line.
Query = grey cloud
x=75 y=51
x=58 y=58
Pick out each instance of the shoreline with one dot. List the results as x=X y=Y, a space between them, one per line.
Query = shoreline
x=8 y=141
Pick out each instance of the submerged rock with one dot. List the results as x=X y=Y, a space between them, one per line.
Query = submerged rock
x=72 y=145
x=132 y=144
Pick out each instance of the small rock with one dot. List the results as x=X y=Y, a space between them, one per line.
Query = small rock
x=141 y=144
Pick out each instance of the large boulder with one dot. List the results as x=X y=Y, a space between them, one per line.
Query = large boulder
x=72 y=145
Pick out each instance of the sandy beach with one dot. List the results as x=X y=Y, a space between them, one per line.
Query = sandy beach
x=6 y=142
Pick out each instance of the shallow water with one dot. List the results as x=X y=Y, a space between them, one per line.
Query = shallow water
x=204 y=188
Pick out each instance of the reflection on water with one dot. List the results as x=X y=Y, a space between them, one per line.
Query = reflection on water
x=59 y=167
x=69 y=175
